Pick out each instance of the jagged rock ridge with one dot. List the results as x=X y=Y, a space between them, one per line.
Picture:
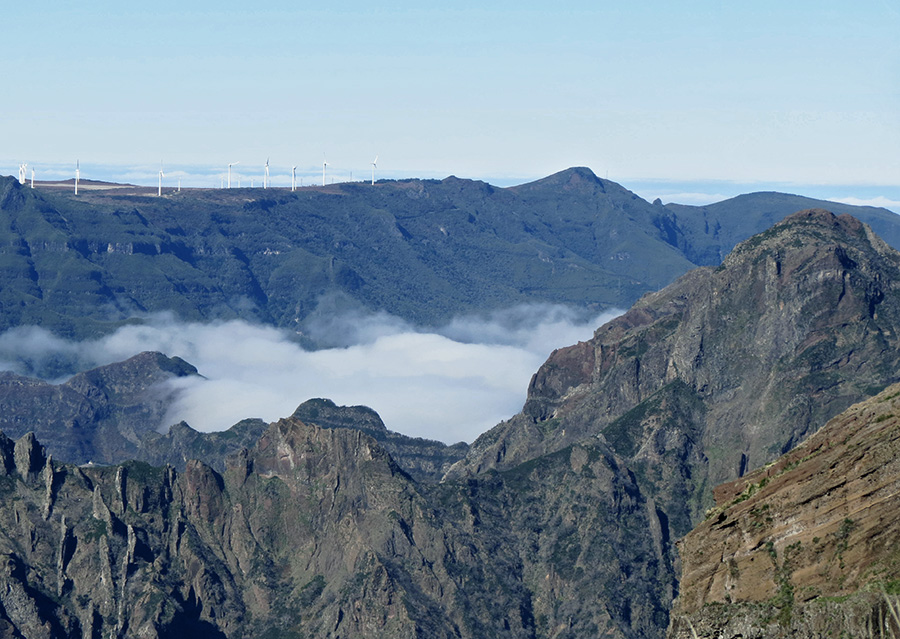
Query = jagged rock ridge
x=317 y=533
x=563 y=525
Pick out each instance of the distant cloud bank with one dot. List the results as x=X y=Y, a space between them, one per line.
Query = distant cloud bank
x=449 y=384
x=883 y=202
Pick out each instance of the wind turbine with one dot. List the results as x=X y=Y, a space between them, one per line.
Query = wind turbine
x=266 y=178
x=161 y=176
x=293 y=178
x=374 y=166
x=22 y=172
x=324 y=164
x=77 y=176
x=32 y=177
x=229 y=173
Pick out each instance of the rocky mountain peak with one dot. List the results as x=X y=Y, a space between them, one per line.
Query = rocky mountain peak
x=575 y=179
x=727 y=367
x=325 y=412
x=29 y=455
x=101 y=415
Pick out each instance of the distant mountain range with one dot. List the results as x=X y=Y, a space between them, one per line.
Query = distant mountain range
x=422 y=250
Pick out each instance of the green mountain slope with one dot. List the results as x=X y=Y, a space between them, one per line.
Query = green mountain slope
x=710 y=232
x=423 y=250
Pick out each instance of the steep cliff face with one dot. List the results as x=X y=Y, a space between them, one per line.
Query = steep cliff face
x=423 y=459
x=807 y=546
x=316 y=532
x=557 y=524
x=726 y=368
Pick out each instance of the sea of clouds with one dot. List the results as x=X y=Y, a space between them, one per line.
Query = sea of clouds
x=449 y=384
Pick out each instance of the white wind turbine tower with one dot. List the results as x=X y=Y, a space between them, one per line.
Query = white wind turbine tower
x=324 y=164
x=293 y=178
x=23 y=173
x=374 y=166
x=77 y=176
x=266 y=177
x=161 y=176
x=229 y=173
x=32 y=177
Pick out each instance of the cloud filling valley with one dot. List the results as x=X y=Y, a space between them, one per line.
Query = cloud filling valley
x=449 y=384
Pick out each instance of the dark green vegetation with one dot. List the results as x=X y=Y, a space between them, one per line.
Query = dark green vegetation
x=421 y=250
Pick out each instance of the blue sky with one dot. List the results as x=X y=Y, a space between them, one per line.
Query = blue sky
x=666 y=98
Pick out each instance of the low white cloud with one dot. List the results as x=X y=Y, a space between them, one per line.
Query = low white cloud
x=449 y=384
x=692 y=199
x=880 y=201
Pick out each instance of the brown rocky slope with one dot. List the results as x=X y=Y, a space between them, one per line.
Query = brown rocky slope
x=806 y=546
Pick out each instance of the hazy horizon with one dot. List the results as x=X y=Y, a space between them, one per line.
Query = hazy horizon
x=769 y=93
x=692 y=192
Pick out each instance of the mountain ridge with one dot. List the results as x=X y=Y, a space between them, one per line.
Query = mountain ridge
x=559 y=522
x=423 y=250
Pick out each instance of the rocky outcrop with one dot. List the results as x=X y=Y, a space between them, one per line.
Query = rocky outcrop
x=806 y=546
x=114 y=413
x=424 y=459
x=316 y=532
x=558 y=523
x=723 y=370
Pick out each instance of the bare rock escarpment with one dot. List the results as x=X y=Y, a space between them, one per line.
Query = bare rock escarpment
x=806 y=546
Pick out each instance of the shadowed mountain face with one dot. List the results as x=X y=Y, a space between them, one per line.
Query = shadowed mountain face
x=102 y=415
x=805 y=547
x=317 y=533
x=423 y=250
x=709 y=233
x=725 y=369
